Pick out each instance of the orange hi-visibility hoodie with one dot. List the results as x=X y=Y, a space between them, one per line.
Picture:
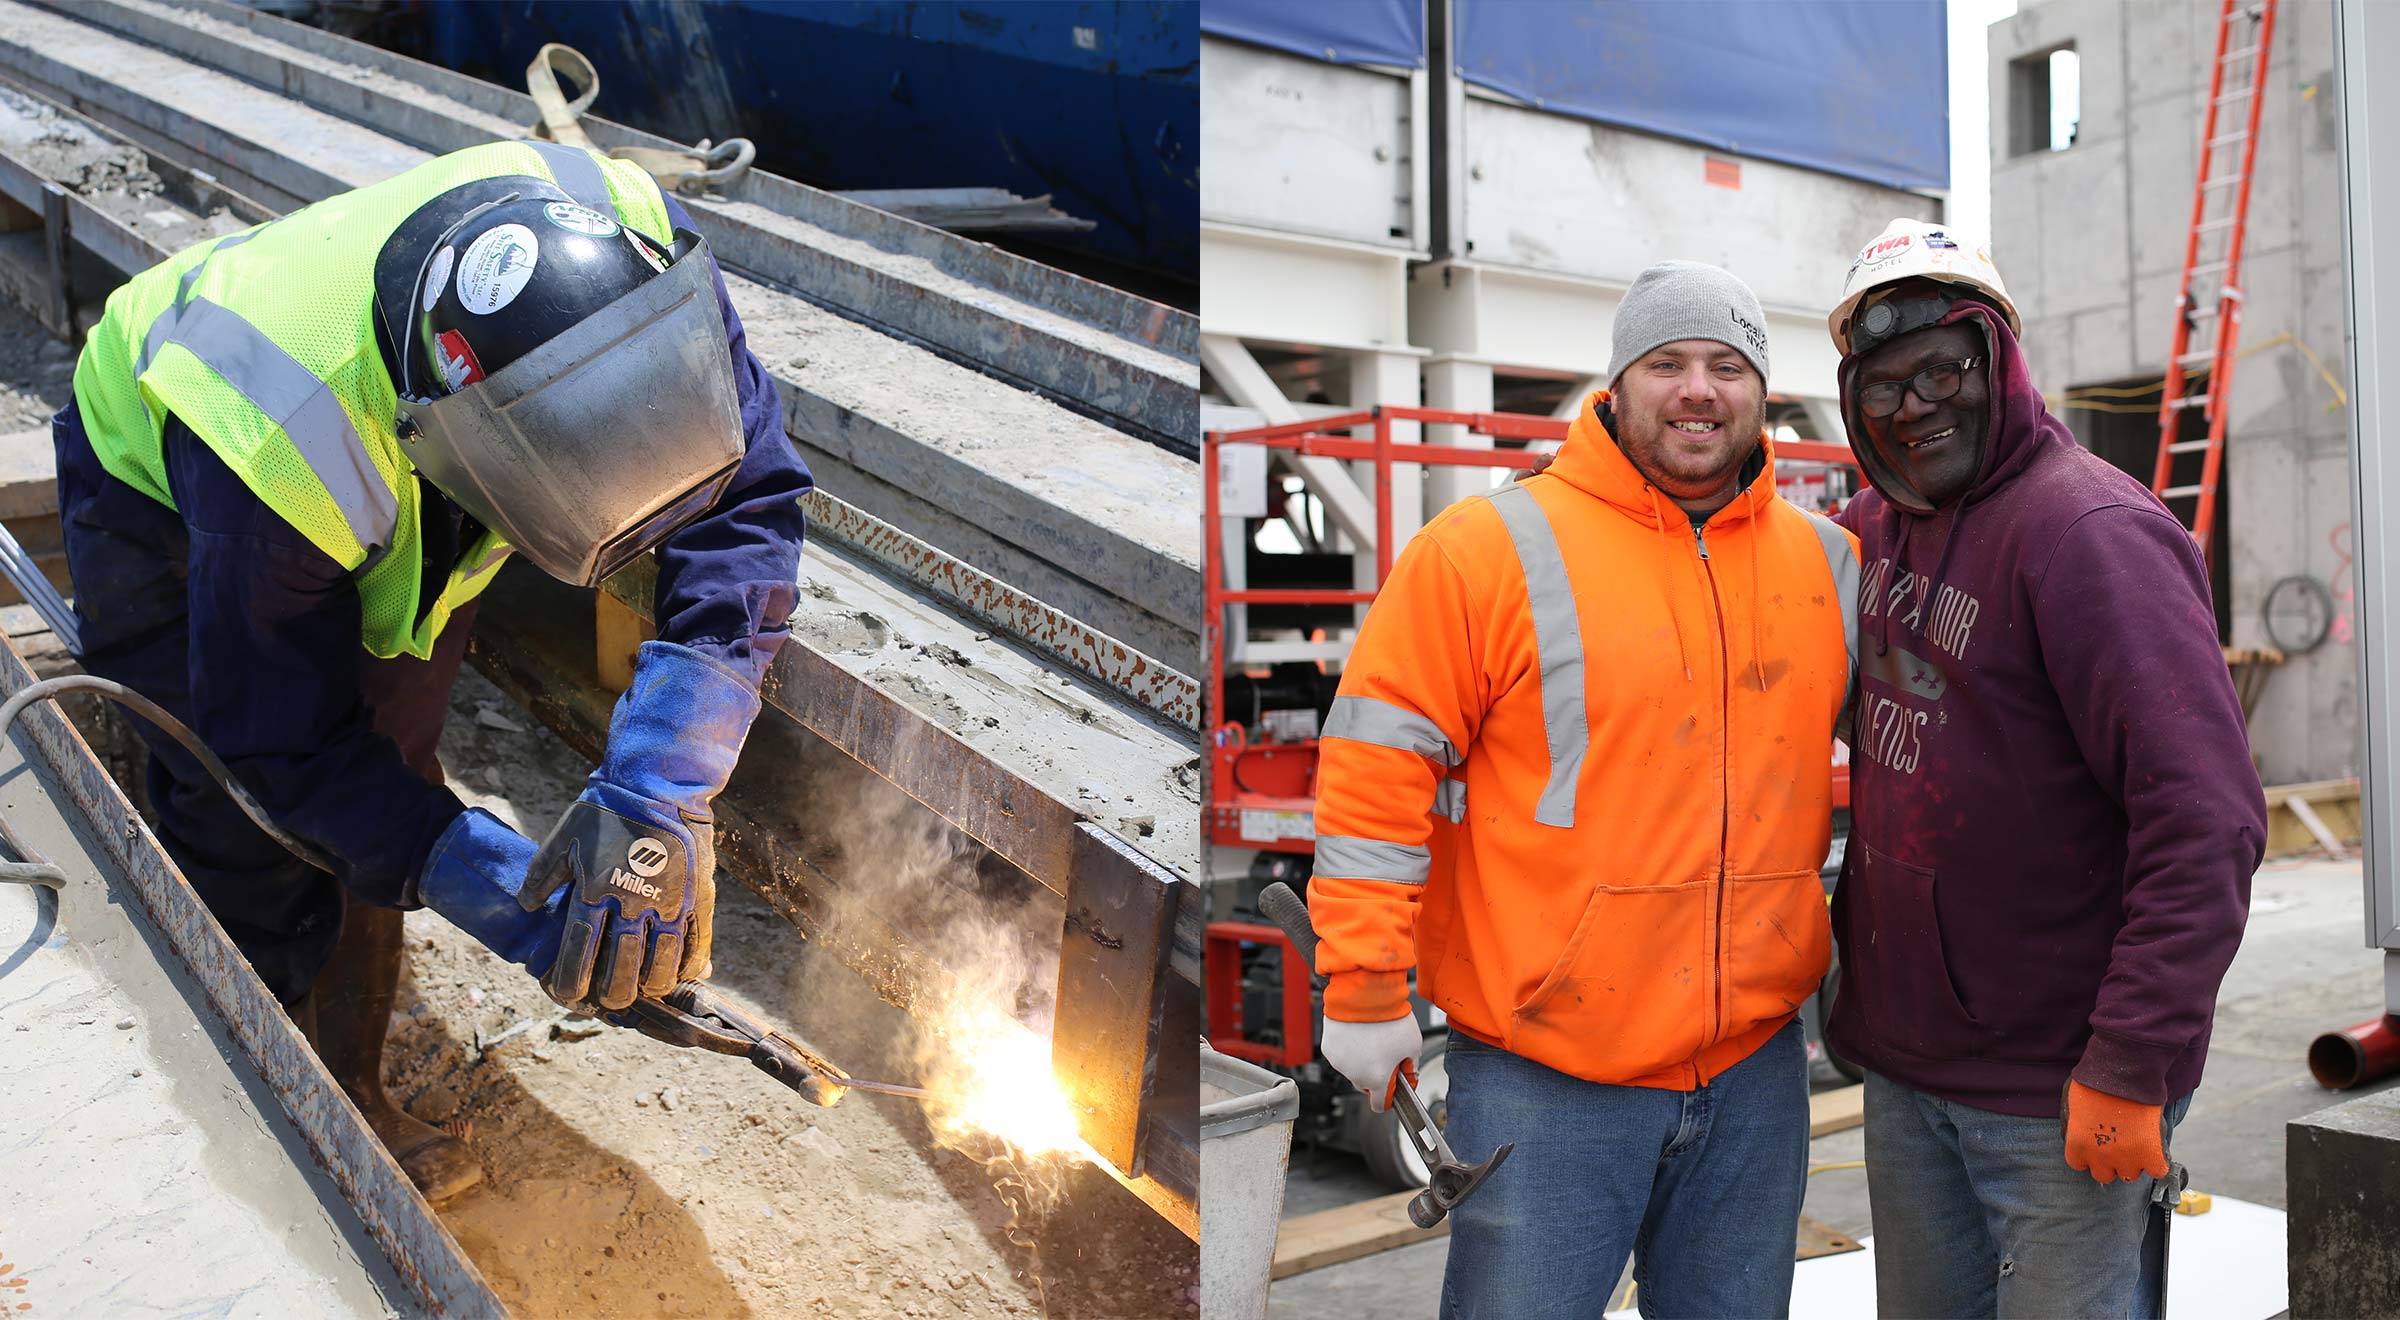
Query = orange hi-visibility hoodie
x=1578 y=772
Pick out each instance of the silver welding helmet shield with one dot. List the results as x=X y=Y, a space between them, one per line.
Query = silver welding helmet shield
x=602 y=441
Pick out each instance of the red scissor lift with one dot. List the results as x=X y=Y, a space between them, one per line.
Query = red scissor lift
x=1263 y=794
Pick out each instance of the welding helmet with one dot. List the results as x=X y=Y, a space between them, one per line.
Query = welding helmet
x=1913 y=250
x=566 y=382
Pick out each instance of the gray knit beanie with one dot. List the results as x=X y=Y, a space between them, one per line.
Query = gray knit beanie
x=1687 y=300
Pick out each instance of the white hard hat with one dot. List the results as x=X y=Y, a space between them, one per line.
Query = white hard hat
x=1913 y=249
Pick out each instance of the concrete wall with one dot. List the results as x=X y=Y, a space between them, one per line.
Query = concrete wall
x=2091 y=241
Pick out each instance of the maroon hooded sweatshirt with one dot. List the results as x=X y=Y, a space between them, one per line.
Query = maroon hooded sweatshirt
x=2054 y=818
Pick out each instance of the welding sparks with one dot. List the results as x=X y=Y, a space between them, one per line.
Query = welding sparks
x=993 y=1079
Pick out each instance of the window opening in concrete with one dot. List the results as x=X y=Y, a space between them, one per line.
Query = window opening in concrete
x=2118 y=420
x=2045 y=101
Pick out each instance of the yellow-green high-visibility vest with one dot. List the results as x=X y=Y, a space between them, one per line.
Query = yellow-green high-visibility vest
x=263 y=342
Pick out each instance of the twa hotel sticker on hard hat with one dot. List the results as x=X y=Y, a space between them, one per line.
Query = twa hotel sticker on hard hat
x=496 y=267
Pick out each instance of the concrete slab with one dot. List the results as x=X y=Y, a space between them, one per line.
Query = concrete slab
x=150 y=1173
x=2345 y=1241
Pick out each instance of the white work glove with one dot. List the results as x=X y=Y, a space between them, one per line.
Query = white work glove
x=1368 y=1053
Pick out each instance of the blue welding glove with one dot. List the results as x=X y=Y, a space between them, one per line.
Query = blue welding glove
x=638 y=846
x=472 y=878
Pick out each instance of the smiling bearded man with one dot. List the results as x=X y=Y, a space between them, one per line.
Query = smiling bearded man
x=1577 y=779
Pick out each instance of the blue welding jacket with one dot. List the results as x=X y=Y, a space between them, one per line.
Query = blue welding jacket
x=267 y=664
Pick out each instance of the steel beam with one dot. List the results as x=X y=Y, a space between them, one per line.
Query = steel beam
x=1088 y=347
x=1146 y=679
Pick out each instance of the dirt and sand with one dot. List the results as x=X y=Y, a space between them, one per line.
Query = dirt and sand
x=625 y=1178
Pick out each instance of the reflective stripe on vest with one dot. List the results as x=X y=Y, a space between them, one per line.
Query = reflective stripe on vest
x=1373 y=720
x=163 y=329
x=287 y=394
x=578 y=175
x=1558 y=648
x=1343 y=857
x=1842 y=562
x=1450 y=800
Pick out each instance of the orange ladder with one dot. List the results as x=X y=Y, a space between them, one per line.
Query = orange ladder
x=2209 y=304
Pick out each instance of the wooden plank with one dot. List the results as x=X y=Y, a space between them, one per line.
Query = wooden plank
x=2315 y=825
x=1329 y=1237
x=1367 y=1228
x=1837 y=1110
x=2304 y=817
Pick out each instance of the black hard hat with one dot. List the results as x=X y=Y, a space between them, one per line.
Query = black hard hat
x=507 y=278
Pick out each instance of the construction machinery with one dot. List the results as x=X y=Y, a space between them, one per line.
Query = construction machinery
x=1001 y=577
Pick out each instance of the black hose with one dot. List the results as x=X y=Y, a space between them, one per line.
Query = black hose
x=2313 y=590
x=34 y=870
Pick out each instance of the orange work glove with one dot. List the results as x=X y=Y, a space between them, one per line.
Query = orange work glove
x=2114 y=1139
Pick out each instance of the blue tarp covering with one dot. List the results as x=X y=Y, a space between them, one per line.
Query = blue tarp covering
x=1091 y=102
x=1342 y=31
x=1856 y=89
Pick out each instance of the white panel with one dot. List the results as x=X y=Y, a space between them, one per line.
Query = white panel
x=1305 y=147
x=1552 y=194
x=1242 y=481
x=1456 y=385
x=1564 y=325
x=2369 y=50
x=1297 y=291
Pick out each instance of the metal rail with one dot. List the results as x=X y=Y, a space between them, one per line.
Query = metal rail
x=1156 y=685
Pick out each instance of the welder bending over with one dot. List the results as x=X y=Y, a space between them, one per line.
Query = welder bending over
x=296 y=457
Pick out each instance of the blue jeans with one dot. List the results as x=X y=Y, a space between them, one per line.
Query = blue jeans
x=1702 y=1187
x=1977 y=1214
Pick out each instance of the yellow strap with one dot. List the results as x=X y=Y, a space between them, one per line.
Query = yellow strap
x=558 y=113
x=685 y=169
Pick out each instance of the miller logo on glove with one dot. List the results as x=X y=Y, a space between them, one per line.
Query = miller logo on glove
x=638 y=846
x=633 y=900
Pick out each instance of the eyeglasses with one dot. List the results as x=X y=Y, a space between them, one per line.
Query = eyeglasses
x=1933 y=384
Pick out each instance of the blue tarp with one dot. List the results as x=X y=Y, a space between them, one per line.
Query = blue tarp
x=1851 y=88
x=1340 y=31
x=1091 y=102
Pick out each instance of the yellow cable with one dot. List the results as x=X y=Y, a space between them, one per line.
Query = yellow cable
x=1815 y=1169
x=2079 y=398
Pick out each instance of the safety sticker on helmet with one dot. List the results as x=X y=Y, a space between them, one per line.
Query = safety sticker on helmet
x=459 y=367
x=579 y=219
x=437 y=276
x=496 y=267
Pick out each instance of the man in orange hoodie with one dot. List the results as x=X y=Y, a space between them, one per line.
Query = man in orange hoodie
x=1577 y=777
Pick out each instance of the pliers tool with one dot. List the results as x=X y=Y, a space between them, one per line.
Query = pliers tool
x=695 y=1017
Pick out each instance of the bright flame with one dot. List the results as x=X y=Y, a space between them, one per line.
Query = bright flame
x=992 y=1077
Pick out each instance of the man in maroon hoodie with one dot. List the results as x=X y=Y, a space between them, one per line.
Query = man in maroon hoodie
x=2054 y=815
